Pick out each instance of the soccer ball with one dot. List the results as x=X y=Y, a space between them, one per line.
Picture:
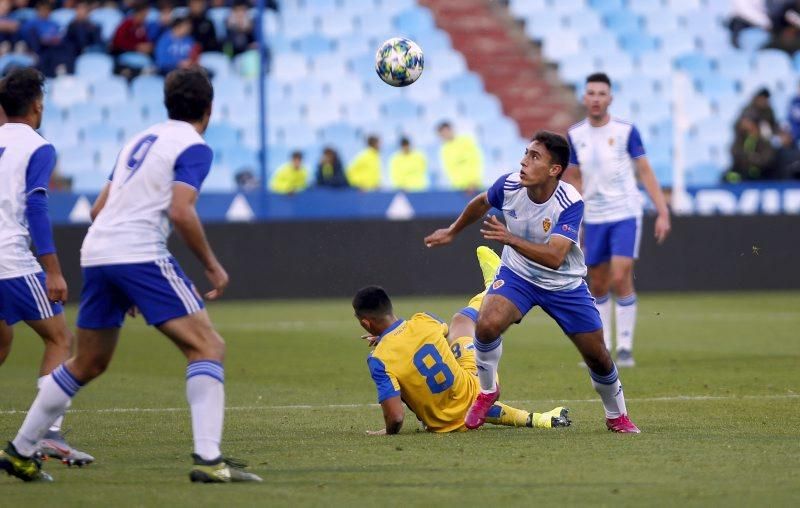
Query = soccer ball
x=399 y=61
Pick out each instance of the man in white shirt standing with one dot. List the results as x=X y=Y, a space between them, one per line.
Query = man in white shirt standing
x=605 y=155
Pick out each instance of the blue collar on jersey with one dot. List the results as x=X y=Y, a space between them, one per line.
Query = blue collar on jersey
x=391 y=328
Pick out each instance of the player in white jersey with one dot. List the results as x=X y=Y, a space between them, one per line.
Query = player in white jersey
x=126 y=266
x=606 y=155
x=542 y=265
x=28 y=293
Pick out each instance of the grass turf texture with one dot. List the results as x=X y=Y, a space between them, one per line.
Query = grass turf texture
x=733 y=440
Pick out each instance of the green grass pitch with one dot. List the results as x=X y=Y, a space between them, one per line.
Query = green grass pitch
x=716 y=394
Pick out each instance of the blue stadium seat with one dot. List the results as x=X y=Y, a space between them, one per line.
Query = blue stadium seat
x=92 y=66
x=299 y=26
x=110 y=90
x=305 y=91
x=696 y=65
x=89 y=181
x=734 y=64
x=291 y=67
x=107 y=157
x=240 y=158
x=322 y=112
x=15 y=60
x=616 y=64
x=124 y=113
x=435 y=41
x=414 y=21
x=600 y=44
x=585 y=22
x=606 y=5
x=218 y=63
x=345 y=91
x=62 y=135
x=148 y=86
x=567 y=6
x=85 y=113
x=574 y=68
x=636 y=43
x=401 y=109
x=645 y=6
x=135 y=60
x=98 y=134
x=218 y=16
x=468 y=83
x=753 y=39
x=773 y=62
x=108 y=18
x=544 y=23
x=703 y=174
x=559 y=44
x=340 y=134
x=660 y=22
x=482 y=107
x=362 y=114
x=221 y=136
x=637 y=86
x=683 y=6
x=353 y=43
x=676 y=43
x=219 y=179
x=297 y=135
x=76 y=159
x=313 y=44
x=623 y=21
x=336 y=24
x=716 y=86
x=68 y=90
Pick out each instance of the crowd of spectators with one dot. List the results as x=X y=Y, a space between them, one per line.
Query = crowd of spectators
x=781 y=18
x=152 y=36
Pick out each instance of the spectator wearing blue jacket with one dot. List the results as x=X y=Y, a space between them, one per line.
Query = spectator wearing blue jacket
x=45 y=38
x=176 y=49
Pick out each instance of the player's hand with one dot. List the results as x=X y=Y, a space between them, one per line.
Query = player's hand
x=663 y=227
x=372 y=340
x=493 y=229
x=381 y=432
x=439 y=237
x=218 y=278
x=56 y=287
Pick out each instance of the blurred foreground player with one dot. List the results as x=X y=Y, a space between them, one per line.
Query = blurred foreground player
x=606 y=155
x=542 y=265
x=28 y=293
x=126 y=266
x=431 y=368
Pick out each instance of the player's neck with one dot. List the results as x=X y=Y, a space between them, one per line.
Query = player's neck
x=599 y=122
x=541 y=193
x=23 y=120
x=386 y=323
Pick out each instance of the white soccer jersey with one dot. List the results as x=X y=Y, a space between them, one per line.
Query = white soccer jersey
x=26 y=161
x=560 y=215
x=605 y=156
x=133 y=226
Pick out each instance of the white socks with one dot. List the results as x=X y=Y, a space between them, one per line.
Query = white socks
x=205 y=391
x=56 y=427
x=626 y=321
x=604 y=305
x=610 y=390
x=487 y=356
x=55 y=393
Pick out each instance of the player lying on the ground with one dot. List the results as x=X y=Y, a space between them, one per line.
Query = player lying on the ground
x=28 y=293
x=542 y=265
x=418 y=362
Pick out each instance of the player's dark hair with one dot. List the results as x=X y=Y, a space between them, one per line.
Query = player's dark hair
x=297 y=154
x=404 y=141
x=443 y=125
x=188 y=94
x=598 y=77
x=373 y=141
x=556 y=145
x=20 y=90
x=372 y=301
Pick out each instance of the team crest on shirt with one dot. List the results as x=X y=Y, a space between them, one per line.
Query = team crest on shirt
x=610 y=141
x=547 y=224
x=498 y=284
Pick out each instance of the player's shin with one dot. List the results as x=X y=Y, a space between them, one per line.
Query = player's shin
x=56 y=427
x=205 y=391
x=487 y=356
x=501 y=414
x=604 y=306
x=55 y=395
x=626 y=322
x=609 y=388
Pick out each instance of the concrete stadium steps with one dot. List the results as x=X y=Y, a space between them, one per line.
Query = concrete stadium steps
x=483 y=33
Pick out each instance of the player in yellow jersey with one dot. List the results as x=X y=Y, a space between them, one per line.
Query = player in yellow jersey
x=430 y=366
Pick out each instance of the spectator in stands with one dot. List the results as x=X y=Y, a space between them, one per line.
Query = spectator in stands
x=44 y=37
x=9 y=27
x=131 y=34
x=177 y=49
x=291 y=177
x=748 y=14
x=203 y=30
x=408 y=168
x=461 y=158
x=240 y=36
x=160 y=25
x=787 y=158
x=364 y=172
x=793 y=116
x=785 y=18
x=330 y=172
x=83 y=33
x=246 y=180
x=752 y=150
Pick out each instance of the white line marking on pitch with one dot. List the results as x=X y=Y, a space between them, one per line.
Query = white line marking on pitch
x=687 y=398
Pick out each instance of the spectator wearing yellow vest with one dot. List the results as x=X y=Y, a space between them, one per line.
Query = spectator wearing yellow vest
x=408 y=168
x=291 y=177
x=364 y=172
x=461 y=158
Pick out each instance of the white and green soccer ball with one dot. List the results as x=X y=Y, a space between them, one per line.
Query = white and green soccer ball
x=399 y=61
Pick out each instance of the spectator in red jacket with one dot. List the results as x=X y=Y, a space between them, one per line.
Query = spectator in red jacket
x=131 y=35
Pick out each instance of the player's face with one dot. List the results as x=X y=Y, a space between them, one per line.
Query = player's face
x=597 y=98
x=536 y=167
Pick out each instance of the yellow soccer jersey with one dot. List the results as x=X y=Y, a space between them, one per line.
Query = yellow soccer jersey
x=413 y=360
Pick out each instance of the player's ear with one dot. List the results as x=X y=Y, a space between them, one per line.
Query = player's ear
x=366 y=324
x=556 y=169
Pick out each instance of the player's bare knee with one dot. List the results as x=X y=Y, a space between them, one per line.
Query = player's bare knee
x=487 y=329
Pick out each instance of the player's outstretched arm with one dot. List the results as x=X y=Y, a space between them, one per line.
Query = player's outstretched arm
x=648 y=178
x=551 y=254
x=393 y=414
x=184 y=218
x=475 y=209
x=100 y=202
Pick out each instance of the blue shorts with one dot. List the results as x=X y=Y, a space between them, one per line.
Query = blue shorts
x=601 y=241
x=573 y=309
x=25 y=299
x=159 y=289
